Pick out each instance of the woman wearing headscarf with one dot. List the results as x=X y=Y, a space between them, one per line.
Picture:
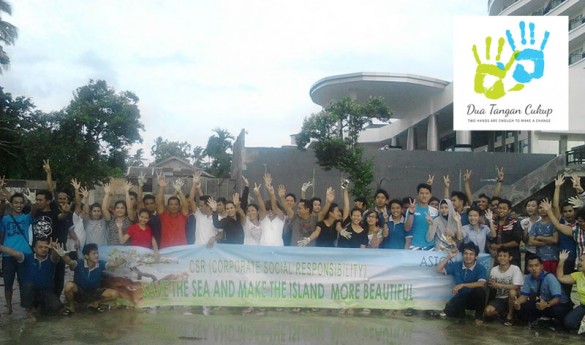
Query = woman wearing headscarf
x=446 y=228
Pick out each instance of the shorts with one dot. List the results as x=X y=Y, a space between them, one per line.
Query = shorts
x=11 y=269
x=83 y=296
x=500 y=304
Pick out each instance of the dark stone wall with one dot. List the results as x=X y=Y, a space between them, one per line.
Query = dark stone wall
x=399 y=172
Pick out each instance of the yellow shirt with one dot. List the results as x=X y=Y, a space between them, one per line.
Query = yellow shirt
x=580 y=279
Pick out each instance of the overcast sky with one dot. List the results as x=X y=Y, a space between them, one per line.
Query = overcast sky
x=197 y=65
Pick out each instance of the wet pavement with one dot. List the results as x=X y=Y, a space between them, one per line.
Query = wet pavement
x=187 y=325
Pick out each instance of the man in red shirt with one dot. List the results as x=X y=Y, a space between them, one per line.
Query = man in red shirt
x=174 y=218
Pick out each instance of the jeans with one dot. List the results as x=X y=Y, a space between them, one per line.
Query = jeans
x=574 y=317
x=474 y=299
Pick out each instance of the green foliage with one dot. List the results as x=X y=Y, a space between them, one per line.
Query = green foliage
x=335 y=132
x=8 y=35
x=165 y=149
x=88 y=140
x=219 y=148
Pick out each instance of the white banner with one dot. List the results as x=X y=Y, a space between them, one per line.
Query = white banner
x=236 y=275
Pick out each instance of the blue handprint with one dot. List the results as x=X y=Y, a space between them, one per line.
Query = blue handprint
x=528 y=54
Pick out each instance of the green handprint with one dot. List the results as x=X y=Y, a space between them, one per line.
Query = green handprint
x=497 y=90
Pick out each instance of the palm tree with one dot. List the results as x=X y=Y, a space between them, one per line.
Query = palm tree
x=218 y=149
x=8 y=34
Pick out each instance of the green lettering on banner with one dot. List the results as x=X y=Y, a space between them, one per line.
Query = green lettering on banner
x=388 y=292
x=345 y=291
x=155 y=289
x=223 y=288
x=200 y=288
x=180 y=288
x=307 y=290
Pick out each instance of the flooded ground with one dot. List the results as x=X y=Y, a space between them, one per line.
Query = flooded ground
x=185 y=325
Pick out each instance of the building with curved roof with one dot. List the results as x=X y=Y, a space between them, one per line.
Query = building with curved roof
x=423 y=106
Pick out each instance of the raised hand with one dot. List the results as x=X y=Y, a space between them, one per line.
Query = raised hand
x=446 y=181
x=281 y=191
x=141 y=179
x=58 y=248
x=429 y=219
x=559 y=180
x=178 y=184
x=212 y=203
x=533 y=56
x=466 y=175
x=330 y=195
x=197 y=179
x=306 y=186
x=496 y=71
x=489 y=215
x=430 y=180
x=411 y=205
x=457 y=217
x=76 y=185
x=546 y=205
x=267 y=179
x=84 y=193
x=576 y=180
x=30 y=195
x=162 y=181
x=303 y=242
x=576 y=201
x=344 y=233
x=236 y=199
x=108 y=188
x=127 y=186
x=564 y=255
x=500 y=172
x=46 y=166
x=256 y=188
x=246 y=184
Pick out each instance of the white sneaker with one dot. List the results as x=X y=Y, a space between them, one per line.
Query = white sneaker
x=442 y=314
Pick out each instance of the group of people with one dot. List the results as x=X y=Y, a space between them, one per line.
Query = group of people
x=552 y=233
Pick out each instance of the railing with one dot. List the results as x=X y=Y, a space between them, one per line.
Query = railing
x=575 y=156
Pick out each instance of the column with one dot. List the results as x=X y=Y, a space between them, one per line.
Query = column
x=463 y=141
x=432 y=134
x=410 y=139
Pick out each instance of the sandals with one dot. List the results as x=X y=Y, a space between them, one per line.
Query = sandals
x=98 y=309
x=67 y=312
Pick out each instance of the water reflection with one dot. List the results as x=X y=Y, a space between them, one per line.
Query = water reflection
x=227 y=326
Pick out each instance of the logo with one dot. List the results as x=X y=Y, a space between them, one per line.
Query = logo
x=42 y=227
x=511 y=73
x=518 y=61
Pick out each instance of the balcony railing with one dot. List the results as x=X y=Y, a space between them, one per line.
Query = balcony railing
x=576 y=155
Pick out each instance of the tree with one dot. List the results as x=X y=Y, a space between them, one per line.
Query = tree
x=89 y=139
x=136 y=160
x=336 y=130
x=165 y=149
x=17 y=120
x=8 y=35
x=218 y=149
x=198 y=157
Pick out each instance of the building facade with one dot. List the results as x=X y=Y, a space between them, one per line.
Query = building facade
x=423 y=106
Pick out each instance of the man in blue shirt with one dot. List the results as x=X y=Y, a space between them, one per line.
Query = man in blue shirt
x=85 y=287
x=37 y=283
x=470 y=280
x=420 y=225
x=14 y=226
x=541 y=295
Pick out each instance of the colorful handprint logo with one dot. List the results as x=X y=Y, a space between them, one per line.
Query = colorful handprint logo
x=521 y=57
